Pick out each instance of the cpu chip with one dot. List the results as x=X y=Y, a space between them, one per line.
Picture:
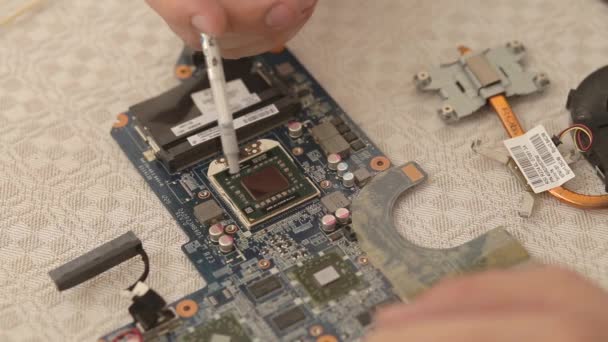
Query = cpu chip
x=326 y=276
x=265 y=183
x=268 y=184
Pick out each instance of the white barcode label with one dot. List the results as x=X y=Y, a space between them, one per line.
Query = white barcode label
x=238 y=97
x=539 y=160
x=242 y=121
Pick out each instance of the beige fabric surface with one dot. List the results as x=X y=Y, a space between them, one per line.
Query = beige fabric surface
x=65 y=186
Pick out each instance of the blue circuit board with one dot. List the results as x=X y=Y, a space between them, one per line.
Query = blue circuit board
x=288 y=241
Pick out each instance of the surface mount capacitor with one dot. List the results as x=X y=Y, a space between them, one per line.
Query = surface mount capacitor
x=328 y=223
x=295 y=129
x=226 y=243
x=333 y=160
x=215 y=232
x=348 y=179
x=343 y=215
x=342 y=169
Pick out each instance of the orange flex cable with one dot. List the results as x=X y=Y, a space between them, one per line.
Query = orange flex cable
x=514 y=128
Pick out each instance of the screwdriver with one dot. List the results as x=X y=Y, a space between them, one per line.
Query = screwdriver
x=217 y=80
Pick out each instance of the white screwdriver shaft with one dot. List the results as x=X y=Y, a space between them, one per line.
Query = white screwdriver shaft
x=217 y=79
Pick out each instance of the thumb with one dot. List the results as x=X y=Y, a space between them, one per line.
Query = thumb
x=207 y=16
x=187 y=18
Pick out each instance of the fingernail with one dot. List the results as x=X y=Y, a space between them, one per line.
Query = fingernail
x=200 y=23
x=279 y=16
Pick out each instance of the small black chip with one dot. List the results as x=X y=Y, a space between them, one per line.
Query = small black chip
x=364 y=318
x=265 y=183
x=350 y=234
x=343 y=128
x=304 y=92
x=357 y=145
x=337 y=121
x=350 y=136
x=264 y=287
x=289 y=318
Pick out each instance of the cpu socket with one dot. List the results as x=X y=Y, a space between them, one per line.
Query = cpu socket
x=268 y=184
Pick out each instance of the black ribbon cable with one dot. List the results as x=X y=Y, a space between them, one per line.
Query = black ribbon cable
x=144 y=276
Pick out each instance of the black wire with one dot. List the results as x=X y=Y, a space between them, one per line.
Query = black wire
x=144 y=276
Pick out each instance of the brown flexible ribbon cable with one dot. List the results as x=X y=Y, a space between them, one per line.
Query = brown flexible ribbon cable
x=514 y=129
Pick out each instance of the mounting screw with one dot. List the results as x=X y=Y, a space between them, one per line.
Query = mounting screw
x=422 y=79
x=447 y=112
x=325 y=184
x=315 y=330
x=264 y=264
x=231 y=229
x=516 y=46
x=297 y=151
x=541 y=80
x=205 y=194
x=363 y=260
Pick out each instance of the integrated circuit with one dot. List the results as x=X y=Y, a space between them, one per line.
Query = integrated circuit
x=264 y=287
x=357 y=145
x=350 y=137
x=327 y=277
x=289 y=318
x=226 y=328
x=269 y=183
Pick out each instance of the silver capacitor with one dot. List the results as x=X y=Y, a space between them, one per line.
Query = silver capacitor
x=328 y=223
x=348 y=179
x=343 y=215
x=333 y=160
x=215 y=232
x=226 y=243
x=295 y=129
x=342 y=168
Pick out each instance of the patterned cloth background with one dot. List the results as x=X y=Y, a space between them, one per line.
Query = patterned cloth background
x=65 y=187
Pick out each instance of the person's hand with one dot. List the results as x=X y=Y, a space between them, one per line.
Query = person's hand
x=539 y=305
x=243 y=28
